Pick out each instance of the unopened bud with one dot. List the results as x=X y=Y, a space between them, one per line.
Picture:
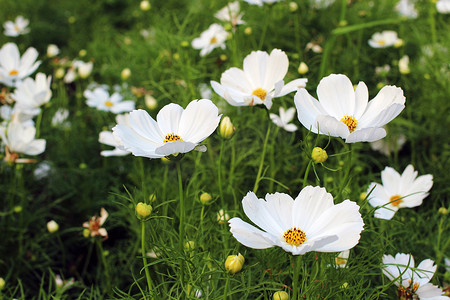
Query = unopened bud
x=86 y=233
x=150 y=102
x=303 y=68
x=205 y=198
x=59 y=73
x=52 y=226
x=2 y=283
x=52 y=50
x=248 y=30
x=125 y=74
x=292 y=7
x=398 y=43
x=143 y=210
x=319 y=155
x=226 y=128
x=152 y=198
x=280 y=295
x=234 y=263
x=443 y=211
x=190 y=245
x=222 y=217
x=362 y=196
x=145 y=5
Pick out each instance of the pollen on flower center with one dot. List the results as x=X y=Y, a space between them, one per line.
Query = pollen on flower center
x=213 y=40
x=350 y=122
x=172 y=137
x=381 y=42
x=108 y=103
x=395 y=200
x=260 y=93
x=407 y=293
x=13 y=72
x=294 y=236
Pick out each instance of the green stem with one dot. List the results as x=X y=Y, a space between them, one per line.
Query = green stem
x=295 y=282
x=305 y=177
x=261 y=164
x=219 y=174
x=38 y=124
x=343 y=11
x=105 y=265
x=225 y=292
x=181 y=226
x=432 y=21
x=144 y=259
x=347 y=173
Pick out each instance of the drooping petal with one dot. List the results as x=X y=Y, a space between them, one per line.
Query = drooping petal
x=175 y=147
x=330 y=126
x=370 y=134
x=337 y=96
x=249 y=235
x=292 y=86
x=308 y=109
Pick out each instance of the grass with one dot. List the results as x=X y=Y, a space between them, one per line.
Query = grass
x=81 y=181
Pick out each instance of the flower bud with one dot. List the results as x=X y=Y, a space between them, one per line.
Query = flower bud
x=17 y=209
x=184 y=44
x=303 y=68
x=280 y=295
x=248 y=30
x=52 y=50
x=145 y=5
x=398 y=43
x=2 y=283
x=226 y=128
x=234 y=263
x=362 y=196
x=82 y=53
x=292 y=7
x=150 y=102
x=443 y=211
x=319 y=155
x=52 y=226
x=86 y=233
x=190 y=245
x=222 y=217
x=152 y=198
x=59 y=73
x=205 y=198
x=125 y=74
x=143 y=210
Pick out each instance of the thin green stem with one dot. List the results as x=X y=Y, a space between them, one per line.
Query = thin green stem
x=38 y=124
x=261 y=164
x=219 y=174
x=295 y=282
x=305 y=177
x=347 y=173
x=105 y=265
x=144 y=259
x=432 y=21
x=181 y=225
x=225 y=292
x=343 y=11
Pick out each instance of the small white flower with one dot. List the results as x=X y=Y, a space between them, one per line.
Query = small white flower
x=285 y=117
x=231 y=13
x=52 y=226
x=60 y=117
x=16 y=28
x=9 y=113
x=84 y=68
x=260 y=2
x=107 y=138
x=52 y=50
x=387 y=38
x=443 y=6
x=42 y=170
x=398 y=191
x=14 y=68
x=215 y=36
x=413 y=282
x=403 y=65
x=342 y=259
x=176 y=130
x=63 y=284
x=345 y=112
x=31 y=94
x=389 y=144
x=321 y=3
x=311 y=222
x=259 y=81
x=100 y=99
x=406 y=8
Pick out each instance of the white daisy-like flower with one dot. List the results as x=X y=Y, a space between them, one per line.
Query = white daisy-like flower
x=107 y=138
x=345 y=112
x=18 y=27
x=413 y=282
x=60 y=117
x=443 y=6
x=398 y=191
x=311 y=222
x=20 y=139
x=342 y=259
x=283 y=121
x=406 y=8
x=215 y=36
x=259 y=82
x=403 y=65
x=387 y=38
x=231 y=13
x=14 y=68
x=8 y=113
x=260 y=2
x=84 y=68
x=100 y=99
x=31 y=94
x=176 y=130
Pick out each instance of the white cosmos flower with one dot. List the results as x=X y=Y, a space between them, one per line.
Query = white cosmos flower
x=231 y=13
x=283 y=121
x=406 y=8
x=311 y=222
x=16 y=28
x=19 y=138
x=100 y=99
x=31 y=94
x=14 y=68
x=107 y=138
x=443 y=6
x=344 y=112
x=260 y=80
x=383 y=39
x=398 y=191
x=413 y=282
x=176 y=130
x=215 y=36
x=60 y=117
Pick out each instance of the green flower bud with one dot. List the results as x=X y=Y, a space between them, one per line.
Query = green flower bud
x=52 y=226
x=234 y=263
x=280 y=295
x=205 y=198
x=319 y=155
x=226 y=128
x=143 y=210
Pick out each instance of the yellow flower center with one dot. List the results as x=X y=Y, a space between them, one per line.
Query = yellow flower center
x=350 y=122
x=340 y=261
x=381 y=42
x=213 y=40
x=13 y=72
x=395 y=200
x=294 y=236
x=172 y=137
x=108 y=103
x=407 y=293
x=260 y=93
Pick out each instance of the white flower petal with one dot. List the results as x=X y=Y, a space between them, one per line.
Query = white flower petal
x=336 y=95
x=330 y=126
x=370 y=134
x=168 y=118
x=308 y=109
x=249 y=235
x=175 y=147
